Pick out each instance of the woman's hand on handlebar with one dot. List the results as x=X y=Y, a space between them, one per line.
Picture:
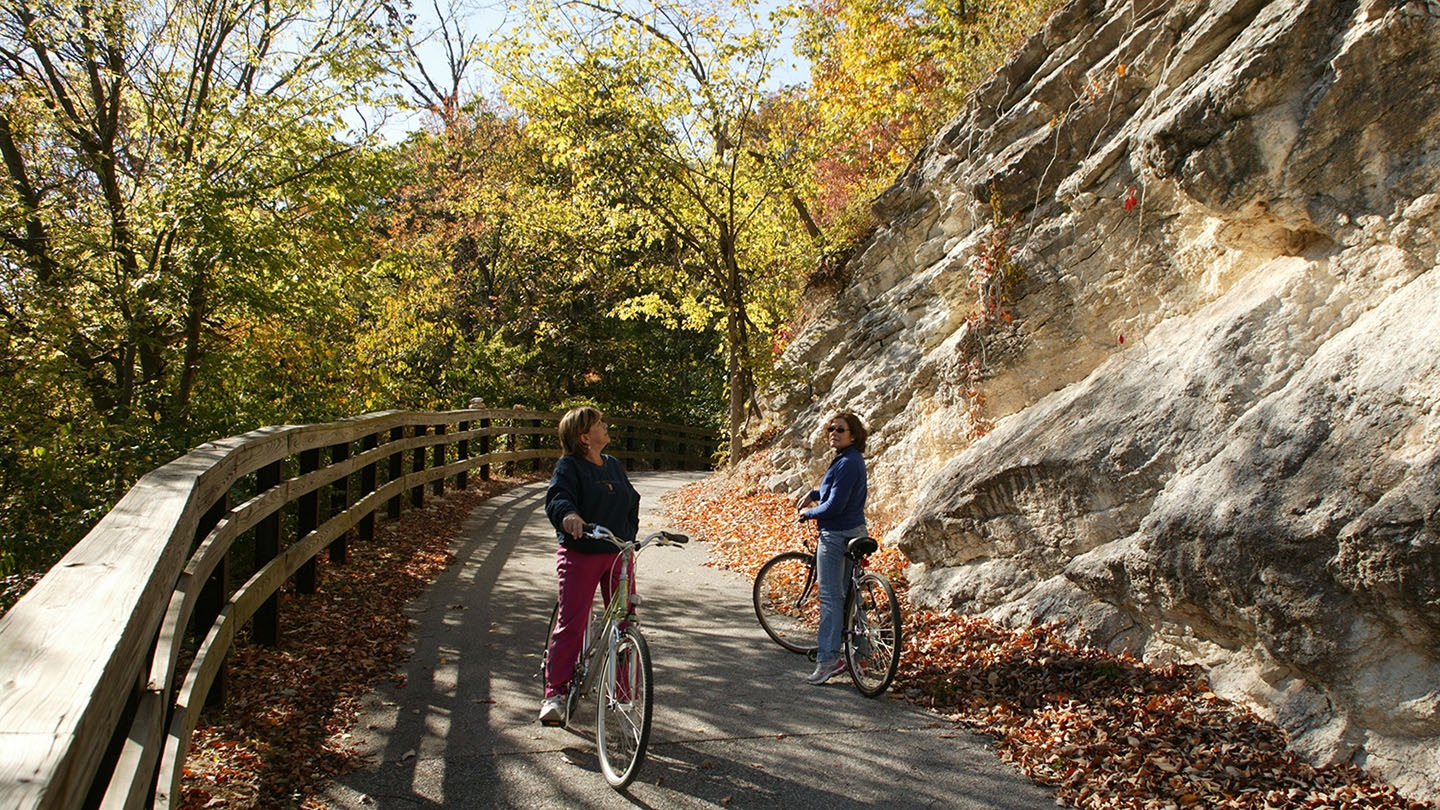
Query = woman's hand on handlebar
x=573 y=525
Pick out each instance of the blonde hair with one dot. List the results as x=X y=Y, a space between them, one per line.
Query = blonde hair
x=573 y=425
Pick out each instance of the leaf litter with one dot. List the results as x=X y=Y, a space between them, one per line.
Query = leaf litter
x=1104 y=731
x=288 y=724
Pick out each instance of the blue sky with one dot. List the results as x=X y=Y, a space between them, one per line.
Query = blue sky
x=489 y=19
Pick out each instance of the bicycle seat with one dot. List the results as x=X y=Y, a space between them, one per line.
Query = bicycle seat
x=861 y=546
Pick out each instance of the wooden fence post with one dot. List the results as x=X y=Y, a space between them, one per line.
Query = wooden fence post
x=397 y=462
x=417 y=464
x=367 y=486
x=535 y=442
x=437 y=456
x=462 y=452
x=211 y=599
x=307 y=517
x=485 y=450
x=339 y=500
x=507 y=469
x=265 y=624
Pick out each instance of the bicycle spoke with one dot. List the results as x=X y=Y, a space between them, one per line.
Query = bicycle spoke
x=873 y=638
x=622 y=719
x=787 y=601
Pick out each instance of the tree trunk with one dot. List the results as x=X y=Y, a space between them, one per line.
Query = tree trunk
x=735 y=342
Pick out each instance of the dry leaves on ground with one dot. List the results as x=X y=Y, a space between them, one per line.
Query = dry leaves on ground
x=286 y=724
x=1103 y=731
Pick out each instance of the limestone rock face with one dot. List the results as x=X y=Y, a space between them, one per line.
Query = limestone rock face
x=1149 y=343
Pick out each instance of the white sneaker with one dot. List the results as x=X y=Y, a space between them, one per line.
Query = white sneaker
x=552 y=711
x=825 y=670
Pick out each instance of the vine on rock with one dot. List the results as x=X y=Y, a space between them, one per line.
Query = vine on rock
x=994 y=271
x=994 y=275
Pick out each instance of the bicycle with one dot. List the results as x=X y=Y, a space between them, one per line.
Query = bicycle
x=614 y=665
x=787 y=603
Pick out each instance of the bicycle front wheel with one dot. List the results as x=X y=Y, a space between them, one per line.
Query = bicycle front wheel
x=787 y=601
x=873 y=634
x=622 y=718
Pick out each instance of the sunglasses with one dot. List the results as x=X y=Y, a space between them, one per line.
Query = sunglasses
x=833 y=429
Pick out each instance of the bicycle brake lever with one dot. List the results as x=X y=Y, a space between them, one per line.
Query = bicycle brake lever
x=594 y=531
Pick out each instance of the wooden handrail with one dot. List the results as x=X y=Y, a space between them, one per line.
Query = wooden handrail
x=95 y=708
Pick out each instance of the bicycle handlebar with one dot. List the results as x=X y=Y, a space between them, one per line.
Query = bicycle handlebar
x=595 y=531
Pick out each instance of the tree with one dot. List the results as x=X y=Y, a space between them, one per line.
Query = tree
x=885 y=76
x=175 y=178
x=501 y=281
x=655 y=108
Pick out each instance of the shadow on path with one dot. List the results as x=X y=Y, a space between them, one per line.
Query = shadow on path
x=735 y=725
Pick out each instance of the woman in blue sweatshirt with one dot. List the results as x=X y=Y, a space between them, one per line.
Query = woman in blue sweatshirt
x=839 y=511
x=586 y=487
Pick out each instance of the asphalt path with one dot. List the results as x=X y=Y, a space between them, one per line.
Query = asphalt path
x=735 y=725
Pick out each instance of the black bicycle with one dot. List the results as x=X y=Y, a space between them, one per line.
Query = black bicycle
x=787 y=603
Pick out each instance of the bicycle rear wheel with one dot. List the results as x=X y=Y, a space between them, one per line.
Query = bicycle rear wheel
x=787 y=601
x=622 y=718
x=874 y=634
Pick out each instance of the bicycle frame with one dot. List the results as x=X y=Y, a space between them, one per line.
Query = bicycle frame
x=620 y=608
x=858 y=566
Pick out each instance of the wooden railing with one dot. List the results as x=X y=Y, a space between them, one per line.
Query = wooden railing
x=96 y=706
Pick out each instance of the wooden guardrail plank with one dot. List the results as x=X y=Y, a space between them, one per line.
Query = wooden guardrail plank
x=71 y=676
x=131 y=781
x=28 y=763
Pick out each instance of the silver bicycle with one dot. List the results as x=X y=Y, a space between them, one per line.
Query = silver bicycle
x=614 y=666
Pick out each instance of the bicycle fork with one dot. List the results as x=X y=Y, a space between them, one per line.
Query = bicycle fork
x=601 y=654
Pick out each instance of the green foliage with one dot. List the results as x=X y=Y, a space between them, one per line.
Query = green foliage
x=656 y=109
x=175 y=190
x=504 y=277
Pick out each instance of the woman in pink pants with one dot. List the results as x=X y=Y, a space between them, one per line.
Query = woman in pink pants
x=587 y=487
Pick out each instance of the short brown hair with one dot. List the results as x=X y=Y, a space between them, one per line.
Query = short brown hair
x=576 y=423
x=858 y=432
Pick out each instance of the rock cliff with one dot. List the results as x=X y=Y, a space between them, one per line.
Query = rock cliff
x=1149 y=342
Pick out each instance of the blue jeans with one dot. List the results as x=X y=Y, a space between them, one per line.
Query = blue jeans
x=832 y=569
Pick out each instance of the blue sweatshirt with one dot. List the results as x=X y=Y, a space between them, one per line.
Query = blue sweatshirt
x=599 y=494
x=841 y=494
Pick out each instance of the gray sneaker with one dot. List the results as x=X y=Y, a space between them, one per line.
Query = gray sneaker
x=825 y=670
x=552 y=711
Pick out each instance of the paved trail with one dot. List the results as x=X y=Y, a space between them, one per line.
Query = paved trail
x=735 y=725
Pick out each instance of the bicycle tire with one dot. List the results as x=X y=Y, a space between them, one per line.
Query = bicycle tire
x=622 y=713
x=874 y=634
x=787 y=600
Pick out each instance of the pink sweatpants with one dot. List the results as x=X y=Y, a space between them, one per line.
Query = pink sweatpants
x=579 y=574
